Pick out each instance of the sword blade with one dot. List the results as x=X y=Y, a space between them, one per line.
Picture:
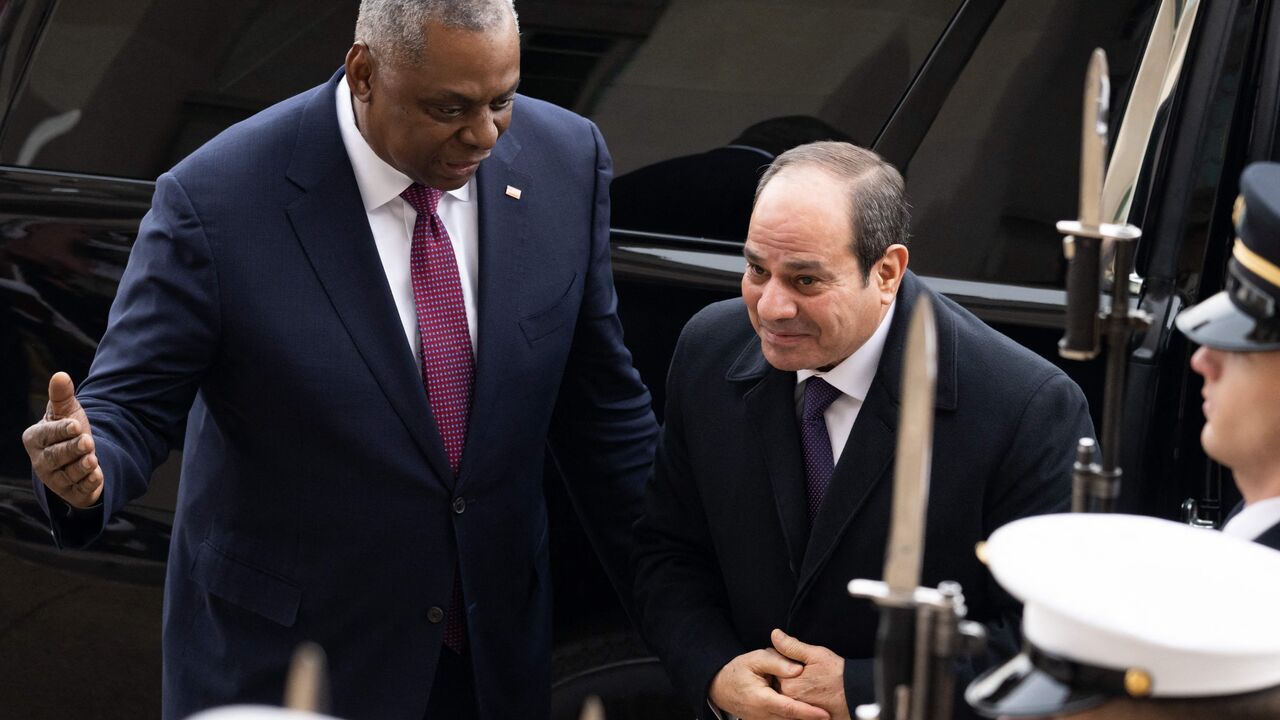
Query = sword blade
x=1093 y=139
x=914 y=454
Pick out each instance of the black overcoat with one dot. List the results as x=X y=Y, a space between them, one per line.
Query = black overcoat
x=724 y=549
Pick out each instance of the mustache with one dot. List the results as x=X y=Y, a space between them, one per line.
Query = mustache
x=786 y=327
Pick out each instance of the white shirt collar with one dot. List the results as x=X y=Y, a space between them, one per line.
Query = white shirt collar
x=379 y=183
x=853 y=375
x=1256 y=518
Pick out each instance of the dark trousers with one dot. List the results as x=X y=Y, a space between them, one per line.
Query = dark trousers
x=453 y=692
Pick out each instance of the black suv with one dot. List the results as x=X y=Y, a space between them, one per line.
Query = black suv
x=977 y=101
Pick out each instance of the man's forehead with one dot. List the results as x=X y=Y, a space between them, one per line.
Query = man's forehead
x=788 y=258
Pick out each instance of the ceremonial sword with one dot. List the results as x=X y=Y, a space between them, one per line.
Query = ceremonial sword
x=921 y=629
x=1096 y=488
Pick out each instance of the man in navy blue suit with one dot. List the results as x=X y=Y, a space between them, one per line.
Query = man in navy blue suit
x=371 y=308
x=1238 y=331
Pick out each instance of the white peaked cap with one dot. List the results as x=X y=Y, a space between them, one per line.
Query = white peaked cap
x=1160 y=608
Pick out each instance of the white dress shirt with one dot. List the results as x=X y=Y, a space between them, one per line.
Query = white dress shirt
x=1256 y=518
x=852 y=377
x=391 y=220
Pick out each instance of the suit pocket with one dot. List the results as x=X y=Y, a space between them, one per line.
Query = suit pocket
x=245 y=586
x=551 y=318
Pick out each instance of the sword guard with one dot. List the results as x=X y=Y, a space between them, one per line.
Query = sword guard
x=881 y=594
x=1106 y=231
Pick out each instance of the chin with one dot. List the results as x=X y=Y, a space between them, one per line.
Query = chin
x=1210 y=444
x=786 y=362
x=453 y=183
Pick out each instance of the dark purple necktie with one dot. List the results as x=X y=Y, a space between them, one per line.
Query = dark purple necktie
x=819 y=462
x=448 y=367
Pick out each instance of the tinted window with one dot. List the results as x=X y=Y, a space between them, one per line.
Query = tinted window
x=1001 y=164
x=694 y=97
x=128 y=88
x=710 y=92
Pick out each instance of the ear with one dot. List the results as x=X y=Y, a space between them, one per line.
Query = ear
x=359 y=71
x=888 y=272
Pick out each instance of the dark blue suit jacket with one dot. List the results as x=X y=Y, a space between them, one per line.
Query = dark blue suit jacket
x=725 y=552
x=316 y=502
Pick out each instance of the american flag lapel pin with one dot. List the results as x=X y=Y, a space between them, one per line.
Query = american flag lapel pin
x=513 y=192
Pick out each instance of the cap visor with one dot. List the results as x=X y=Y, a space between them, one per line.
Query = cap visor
x=1218 y=323
x=1019 y=689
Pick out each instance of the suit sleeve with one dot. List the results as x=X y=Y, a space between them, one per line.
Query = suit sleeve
x=603 y=431
x=160 y=336
x=683 y=605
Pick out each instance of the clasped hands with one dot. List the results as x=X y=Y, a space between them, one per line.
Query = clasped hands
x=792 y=680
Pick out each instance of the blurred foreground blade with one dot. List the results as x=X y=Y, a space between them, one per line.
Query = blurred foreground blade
x=592 y=709
x=308 y=685
x=914 y=454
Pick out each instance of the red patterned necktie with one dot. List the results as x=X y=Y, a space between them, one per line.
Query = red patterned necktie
x=448 y=368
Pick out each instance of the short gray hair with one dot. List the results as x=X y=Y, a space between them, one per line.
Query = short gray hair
x=879 y=210
x=395 y=27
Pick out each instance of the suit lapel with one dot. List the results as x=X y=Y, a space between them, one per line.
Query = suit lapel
x=503 y=259
x=332 y=226
x=771 y=415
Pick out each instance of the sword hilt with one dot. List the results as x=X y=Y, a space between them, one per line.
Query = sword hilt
x=919 y=638
x=1084 y=255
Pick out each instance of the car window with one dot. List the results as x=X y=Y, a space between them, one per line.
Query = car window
x=694 y=97
x=1000 y=165
x=129 y=87
x=713 y=90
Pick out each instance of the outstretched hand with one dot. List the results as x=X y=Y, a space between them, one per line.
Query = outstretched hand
x=61 y=447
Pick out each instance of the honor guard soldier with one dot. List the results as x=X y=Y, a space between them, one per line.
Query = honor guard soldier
x=1238 y=331
x=1115 y=624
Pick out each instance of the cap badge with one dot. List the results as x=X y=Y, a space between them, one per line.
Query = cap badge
x=1137 y=682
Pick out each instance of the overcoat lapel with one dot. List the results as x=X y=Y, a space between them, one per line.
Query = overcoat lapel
x=332 y=226
x=770 y=411
x=504 y=257
x=867 y=459
x=865 y=462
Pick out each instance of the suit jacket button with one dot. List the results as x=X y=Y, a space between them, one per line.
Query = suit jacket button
x=435 y=614
x=459 y=505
